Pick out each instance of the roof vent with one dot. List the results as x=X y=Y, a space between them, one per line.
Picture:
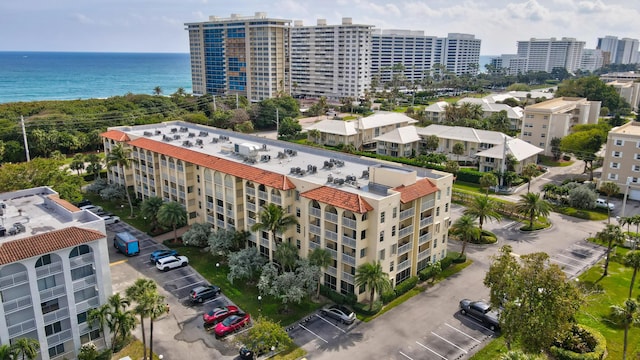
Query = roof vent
x=174 y=130
x=166 y=138
x=365 y=174
x=184 y=129
x=199 y=142
x=187 y=143
x=148 y=133
x=265 y=158
x=191 y=134
x=203 y=134
x=158 y=132
x=176 y=137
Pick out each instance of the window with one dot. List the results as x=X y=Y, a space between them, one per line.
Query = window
x=382 y=217
x=298 y=228
x=617 y=154
x=541 y=144
x=79 y=250
x=395 y=212
x=613 y=176
x=90 y=336
x=526 y=133
x=44 y=260
x=82 y=317
x=56 y=350
x=381 y=256
x=297 y=195
x=46 y=283
x=619 y=142
x=543 y=135
x=363 y=234
x=298 y=244
x=634 y=180
x=636 y=168
x=362 y=289
x=446 y=207
x=439 y=193
x=49 y=306
x=544 y=126
x=448 y=190
x=298 y=212
x=394 y=249
x=391 y=266
x=636 y=156
x=54 y=328
x=363 y=252
x=393 y=230
x=381 y=236
x=615 y=165
x=438 y=211
x=444 y=238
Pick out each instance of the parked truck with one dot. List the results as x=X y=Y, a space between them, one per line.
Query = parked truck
x=126 y=243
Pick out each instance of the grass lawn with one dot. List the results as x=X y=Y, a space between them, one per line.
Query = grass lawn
x=548 y=161
x=587 y=214
x=134 y=350
x=242 y=293
x=121 y=209
x=469 y=187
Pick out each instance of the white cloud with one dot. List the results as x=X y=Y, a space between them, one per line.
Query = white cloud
x=588 y=7
x=529 y=10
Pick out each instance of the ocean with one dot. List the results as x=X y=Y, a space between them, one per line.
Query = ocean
x=29 y=76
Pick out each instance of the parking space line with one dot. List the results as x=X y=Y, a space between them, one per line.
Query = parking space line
x=424 y=346
x=509 y=224
x=405 y=355
x=585 y=247
x=449 y=342
x=330 y=323
x=190 y=285
x=564 y=263
x=318 y=336
x=180 y=278
x=573 y=258
x=118 y=262
x=464 y=333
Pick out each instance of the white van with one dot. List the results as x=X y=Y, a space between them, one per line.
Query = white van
x=602 y=203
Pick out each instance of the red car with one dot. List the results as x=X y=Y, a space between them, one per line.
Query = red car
x=232 y=323
x=218 y=314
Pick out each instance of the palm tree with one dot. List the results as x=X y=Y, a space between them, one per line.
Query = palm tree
x=157 y=308
x=315 y=134
x=101 y=316
x=626 y=315
x=611 y=234
x=532 y=206
x=286 y=255
x=488 y=180
x=528 y=172
x=274 y=220
x=142 y=291
x=120 y=157
x=27 y=347
x=149 y=209
x=371 y=275
x=626 y=220
x=94 y=166
x=632 y=260
x=609 y=188
x=118 y=318
x=157 y=90
x=458 y=149
x=172 y=214
x=77 y=163
x=321 y=258
x=483 y=208
x=7 y=352
x=452 y=167
x=465 y=228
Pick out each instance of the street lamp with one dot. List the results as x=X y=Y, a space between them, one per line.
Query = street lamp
x=259 y=303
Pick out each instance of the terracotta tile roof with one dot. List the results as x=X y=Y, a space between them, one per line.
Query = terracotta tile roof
x=116 y=135
x=339 y=198
x=20 y=249
x=419 y=189
x=64 y=203
x=243 y=171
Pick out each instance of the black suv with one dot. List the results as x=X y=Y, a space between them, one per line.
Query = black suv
x=202 y=293
x=481 y=311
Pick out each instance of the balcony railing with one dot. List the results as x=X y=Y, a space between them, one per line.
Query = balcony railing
x=85 y=305
x=313 y=245
x=427 y=204
x=405 y=231
x=46 y=270
x=220 y=224
x=424 y=255
x=52 y=293
x=334 y=254
x=56 y=315
x=331 y=217
x=350 y=223
x=331 y=235
x=17 y=304
x=219 y=209
x=347 y=277
x=14 y=279
x=349 y=241
x=315 y=229
x=426 y=221
x=424 y=238
x=59 y=337
x=405 y=214
x=82 y=260
x=251 y=191
x=276 y=199
x=263 y=195
x=264 y=242
x=404 y=265
x=84 y=282
x=332 y=271
x=405 y=248
x=348 y=259
x=251 y=207
x=22 y=328
x=210 y=219
x=314 y=212
x=230 y=213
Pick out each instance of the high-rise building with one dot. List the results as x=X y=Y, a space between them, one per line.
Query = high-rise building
x=621 y=51
x=547 y=54
x=609 y=45
x=462 y=53
x=249 y=56
x=331 y=60
x=358 y=209
x=592 y=59
x=54 y=269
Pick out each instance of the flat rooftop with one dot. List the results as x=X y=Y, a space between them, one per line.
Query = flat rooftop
x=630 y=128
x=40 y=210
x=293 y=160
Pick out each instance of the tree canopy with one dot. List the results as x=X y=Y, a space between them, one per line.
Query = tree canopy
x=594 y=89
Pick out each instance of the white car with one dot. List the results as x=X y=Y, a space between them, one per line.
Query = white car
x=602 y=203
x=108 y=220
x=93 y=208
x=172 y=262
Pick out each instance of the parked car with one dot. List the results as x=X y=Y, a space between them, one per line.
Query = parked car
x=171 y=262
x=93 y=208
x=246 y=354
x=159 y=254
x=108 y=220
x=340 y=313
x=83 y=202
x=202 y=293
x=219 y=313
x=232 y=323
x=602 y=203
x=481 y=311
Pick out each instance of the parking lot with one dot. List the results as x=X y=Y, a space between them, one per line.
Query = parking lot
x=577 y=258
x=321 y=332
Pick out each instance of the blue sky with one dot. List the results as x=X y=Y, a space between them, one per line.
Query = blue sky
x=158 y=25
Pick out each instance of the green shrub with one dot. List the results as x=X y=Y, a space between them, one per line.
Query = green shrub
x=469 y=175
x=350 y=299
x=426 y=273
x=406 y=285
x=447 y=261
x=388 y=296
x=334 y=296
x=363 y=309
x=460 y=259
x=580 y=343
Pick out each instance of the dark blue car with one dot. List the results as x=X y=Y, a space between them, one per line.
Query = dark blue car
x=159 y=254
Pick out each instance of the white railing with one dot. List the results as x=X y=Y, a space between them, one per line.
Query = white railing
x=334 y=254
x=347 y=277
x=405 y=231
x=332 y=271
x=52 y=292
x=331 y=235
x=349 y=241
x=404 y=265
x=17 y=304
x=251 y=221
x=350 y=223
x=22 y=328
x=427 y=204
x=251 y=206
x=56 y=315
x=14 y=279
x=405 y=214
x=349 y=259
x=220 y=223
x=84 y=282
x=264 y=242
x=219 y=209
x=313 y=245
x=50 y=269
x=405 y=248
x=331 y=217
x=87 y=304
x=81 y=260
x=314 y=212
x=251 y=191
x=426 y=221
x=424 y=255
x=276 y=199
x=424 y=238
x=315 y=229
x=263 y=195
x=59 y=337
x=230 y=213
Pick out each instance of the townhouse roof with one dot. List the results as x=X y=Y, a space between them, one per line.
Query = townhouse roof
x=337 y=127
x=338 y=198
x=631 y=128
x=28 y=247
x=417 y=190
x=383 y=118
x=520 y=149
x=555 y=105
x=437 y=106
x=402 y=135
x=461 y=133
x=492 y=107
x=116 y=135
x=240 y=170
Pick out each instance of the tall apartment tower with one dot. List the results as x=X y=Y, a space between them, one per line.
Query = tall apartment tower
x=241 y=55
x=592 y=59
x=621 y=51
x=547 y=54
x=331 y=60
x=415 y=51
x=608 y=45
x=462 y=53
x=54 y=269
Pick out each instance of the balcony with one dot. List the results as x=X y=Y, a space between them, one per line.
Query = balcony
x=251 y=191
x=264 y=242
x=84 y=282
x=427 y=204
x=405 y=231
x=314 y=212
x=348 y=259
x=219 y=209
x=315 y=229
x=60 y=337
x=426 y=221
x=56 y=315
x=52 y=293
x=424 y=238
x=230 y=213
x=331 y=235
x=263 y=195
x=14 y=280
x=347 y=277
x=276 y=199
x=405 y=248
x=313 y=245
x=334 y=254
x=210 y=219
x=22 y=328
x=85 y=305
x=220 y=224
x=82 y=260
x=17 y=304
x=424 y=255
x=404 y=265
x=349 y=223
x=332 y=271
x=349 y=241
x=405 y=214
x=331 y=217
x=251 y=207
x=47 y=270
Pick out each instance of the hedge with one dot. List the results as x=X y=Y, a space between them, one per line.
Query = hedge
x=364 y=308
x=427 y=273
x=338 y=298
x=387 y=296
x=406 y=285
x=469 y=175
x=592 y=335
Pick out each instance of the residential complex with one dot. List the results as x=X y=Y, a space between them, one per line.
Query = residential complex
x=622 y=159
x=620 y=51
x=54 y=269
x=547 y=54
x=359 y=209
x=331 y=60
x=627 y=84
x=436 y=111
x=249 y=56
x=592 y=59
x=555 y=118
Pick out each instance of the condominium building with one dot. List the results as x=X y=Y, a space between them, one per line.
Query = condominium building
x=547 y=54
x=621 y=51
x=436 y=112
x=462 y=54
x=592 y=60
x=249 y=56
x=621 y=163
x=54 y=269
x=555 y=118
x=359 y=209
x=331 y=60
x=627 y=84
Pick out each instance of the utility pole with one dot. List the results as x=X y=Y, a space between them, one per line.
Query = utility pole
x=237 y=102
x=214 y=103
x=277 y=122
x=24 y=136
x=503 y=167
